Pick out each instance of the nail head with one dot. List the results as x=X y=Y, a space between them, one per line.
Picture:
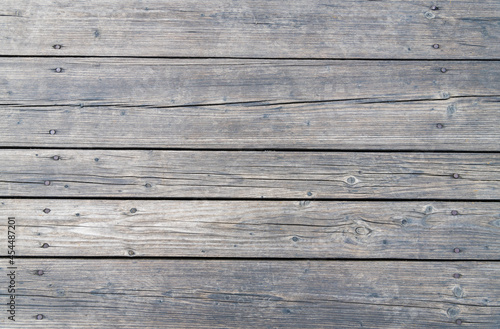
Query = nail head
x=454 y=212
x=39 y=272
x=57 y=46
x=45 y=245
x=444 y=70
x=456 y=250
x=295 y=239
x=457 y=275
x=133 y=210
x=459 y=322
x=46 y=183
x=456 y=176
x=58 y=69
x=434 y=8
x=56 y=157
x=439 y=126
x=435 y=46
x=52 y=132
x=46 y=210
x=131 y=252
x=39 y=316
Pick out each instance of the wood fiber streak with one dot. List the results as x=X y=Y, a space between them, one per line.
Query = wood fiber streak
x=252 y=28
x=249 y=174
x=250 y=229
x=110 y=293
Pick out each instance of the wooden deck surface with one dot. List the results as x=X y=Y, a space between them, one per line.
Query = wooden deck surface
x=250 y=164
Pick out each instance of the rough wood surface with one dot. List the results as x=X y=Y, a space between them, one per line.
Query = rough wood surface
x=249 y=174
x=132 y=82
x=298 y=229
x=252 y=28
x=456 y=124
x=153 y=293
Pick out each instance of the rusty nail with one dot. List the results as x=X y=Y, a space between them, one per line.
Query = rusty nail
x=39 y=316
x=439 y=126
x=456 y=176
x=435 y=46
x=46 y=183
x=46 y=210
x=434 y=8
x=459 y=322
x=295 y=239
x=457 y=275
x=133 y=210
x=131 y=252
x=52 y=132
x=454 y=212
x=58 y=69
x=39 y=272
x=45 y=245
x=443 y=70
x=456 y=250
x=55 y=157
x=57 y=46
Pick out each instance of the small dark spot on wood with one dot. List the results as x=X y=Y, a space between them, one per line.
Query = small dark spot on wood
x=428 y=209
x=46 y=210
x=287 y=311
x=439 y=126
x=456 y=176
x=375 y=295
x=295 y=239
x=123 y=112
x=40 y=272
x=235 y=245
x=435 y=46
x=384 y=242
x=39 y=316
x=457 y=275
x=203 y=251
x=133 y=210
x=131 y=253
x=404 y=222
x=147 y=185
x=97 y=34
x=458 y=321
x=77 y=214
x=304 y=203
x=429 y=15
x=45 y=245
x=454 y=213
x=456 y=250
x=309 y=193
x=57 y=46
x=96 y=159
x=66 y=186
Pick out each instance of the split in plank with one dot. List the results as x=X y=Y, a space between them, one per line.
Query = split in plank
x=455 y=124
x=259 y=29
x=153 y=293
x=255 y=229
x=249 y=174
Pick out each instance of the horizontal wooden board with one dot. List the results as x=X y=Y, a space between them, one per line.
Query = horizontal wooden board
x=249 y=174
x=458 y=124
x=151 y=293
x=254 y=104
x=252 y=28
x=304 y=229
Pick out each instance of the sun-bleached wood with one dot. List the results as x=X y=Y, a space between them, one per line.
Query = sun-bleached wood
x=252 y=28
x=255 y=229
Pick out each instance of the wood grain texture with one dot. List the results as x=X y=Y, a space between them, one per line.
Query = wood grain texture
x=147 y=82
x=456 y=124
x=250 y=104
x=255 y=229
x=252 y=28
x=153 y=293
x=249 y=174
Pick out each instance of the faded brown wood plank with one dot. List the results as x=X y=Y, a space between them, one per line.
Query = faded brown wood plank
x=249 y=174
x=291 y=229
x=263 y=29
x=106 y=293
x=251 y=104
x=456 y=124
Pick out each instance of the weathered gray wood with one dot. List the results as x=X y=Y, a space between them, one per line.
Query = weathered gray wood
x=132 y=82
x=317 y=229
x=468 y=124
x=264 y=29
x=244 y=174
x=151 y=293
x=276 y=104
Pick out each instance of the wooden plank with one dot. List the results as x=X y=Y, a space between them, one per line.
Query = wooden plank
x=152 y=293
x=298 y=229
x=245 y=174
x=458 y=124
x=251 y=28
x=250 y=104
